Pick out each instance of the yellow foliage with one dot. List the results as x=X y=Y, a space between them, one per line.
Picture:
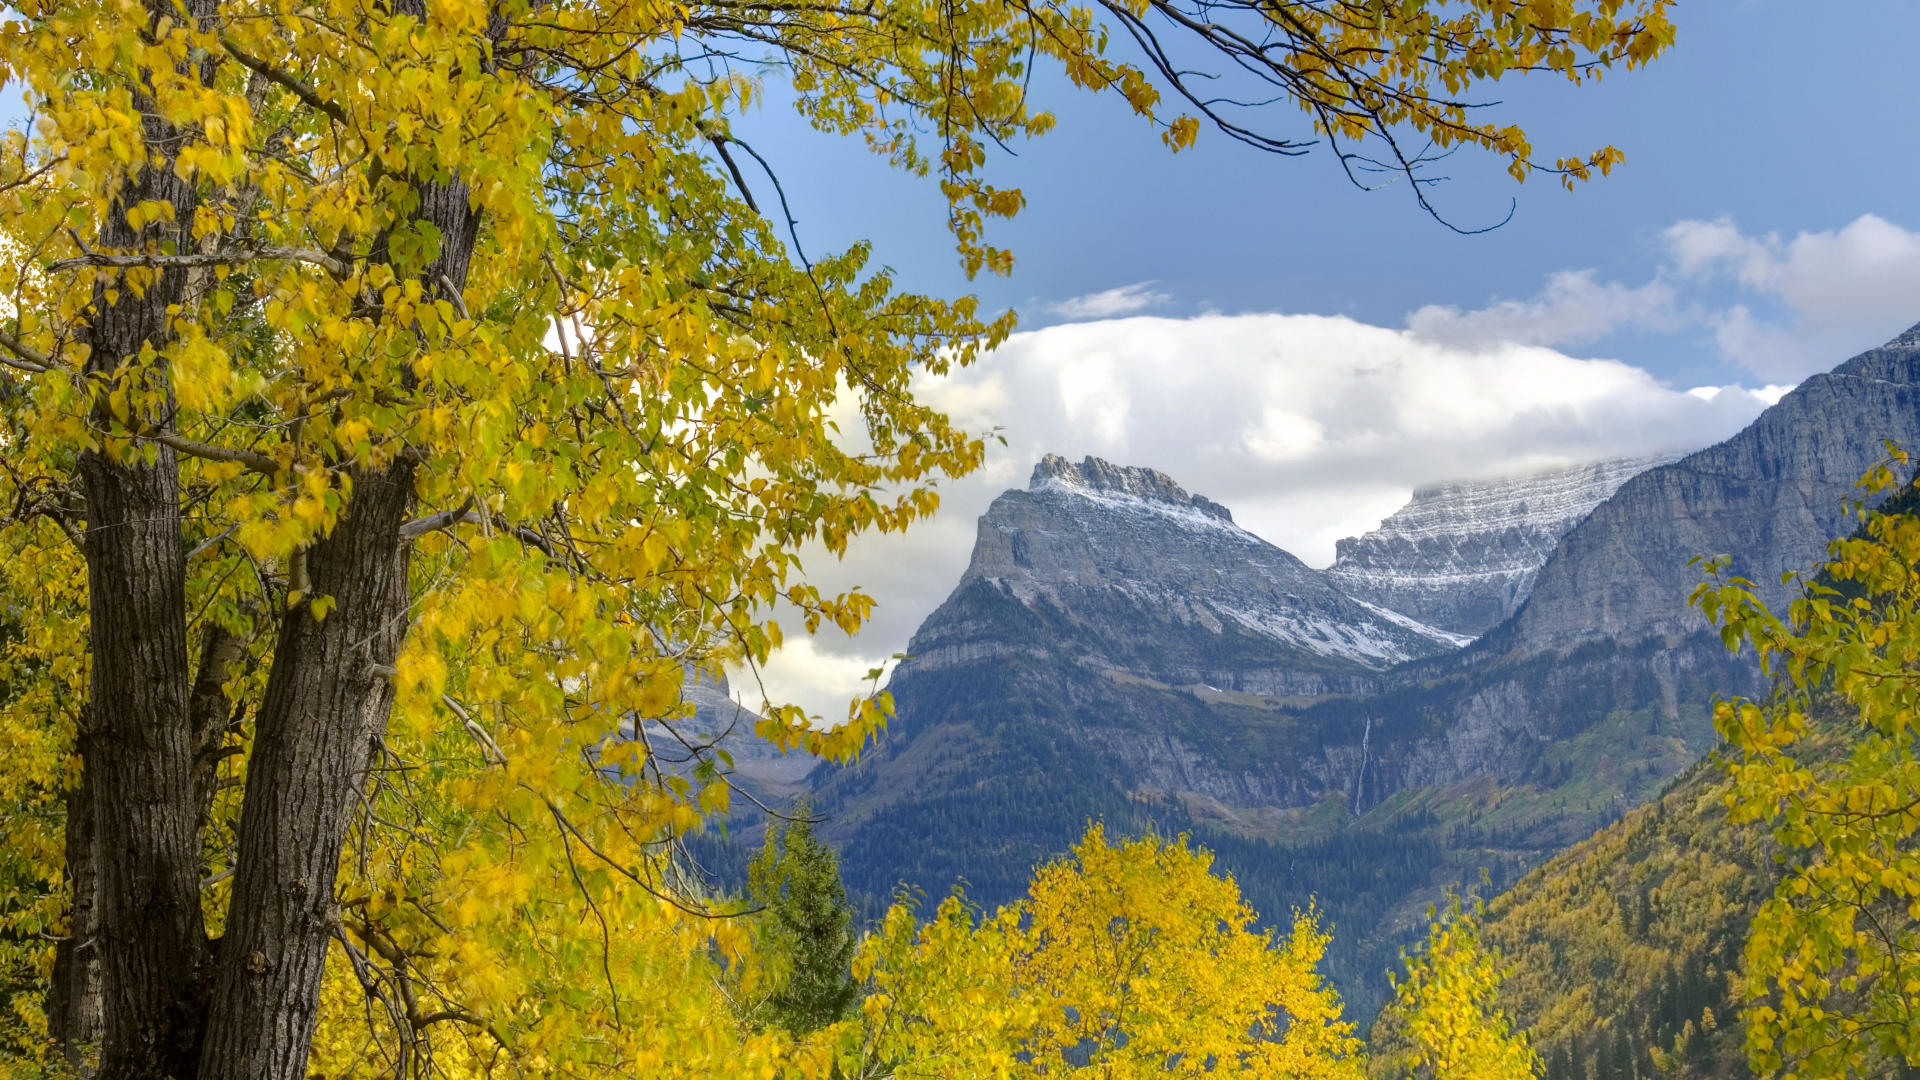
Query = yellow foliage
x=1832 y=962
x=1445 y=1020
x=621 y=415
x=1124 y=960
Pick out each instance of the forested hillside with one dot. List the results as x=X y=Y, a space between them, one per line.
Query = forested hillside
x=1623 y=948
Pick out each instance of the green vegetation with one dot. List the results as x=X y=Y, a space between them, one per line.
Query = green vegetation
x=808 y=928
x=1623 y=948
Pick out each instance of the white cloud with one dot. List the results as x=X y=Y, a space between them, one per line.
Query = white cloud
x=1573 y=308
x=1110 y=303
x=1769 y=394
x=1831 y=293
x=1779 y=308
x=1309 y=428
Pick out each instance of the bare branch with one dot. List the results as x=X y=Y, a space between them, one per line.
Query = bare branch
x=335 y=266
x=283 y=79
x=445 y=519
x=25 y=357
x=258 y=462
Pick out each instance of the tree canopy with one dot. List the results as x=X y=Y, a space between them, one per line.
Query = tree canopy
x=1127 y=959
x=1832 y=960
x=396 y=395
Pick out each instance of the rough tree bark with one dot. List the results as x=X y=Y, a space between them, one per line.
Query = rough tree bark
x=73 y=1010
x=151 y=939
x=325 y=707
x=325 y=711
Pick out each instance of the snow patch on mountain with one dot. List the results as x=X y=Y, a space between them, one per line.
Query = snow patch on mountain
x=1462 y=556
x=1163 y=583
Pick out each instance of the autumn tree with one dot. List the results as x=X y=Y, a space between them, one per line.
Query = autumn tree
x=1832 y=962
x=1445 y=1021
x=1128 y=959
x=398 y=394
x=795 y=881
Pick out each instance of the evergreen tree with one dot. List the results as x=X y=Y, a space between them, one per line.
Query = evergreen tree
x=797 y=880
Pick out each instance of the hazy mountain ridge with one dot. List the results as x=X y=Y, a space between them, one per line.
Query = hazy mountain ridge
x=1463 y=556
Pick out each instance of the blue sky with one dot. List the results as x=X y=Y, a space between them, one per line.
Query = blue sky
x=1780 y=116
x=1308 y=353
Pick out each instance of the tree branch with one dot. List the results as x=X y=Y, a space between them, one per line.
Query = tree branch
x=25 y=357
x=335 y=266
x=445 y=519
x=282 y=79
x=258 y=462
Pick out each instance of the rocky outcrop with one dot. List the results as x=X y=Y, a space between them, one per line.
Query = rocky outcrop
x=1463 y=556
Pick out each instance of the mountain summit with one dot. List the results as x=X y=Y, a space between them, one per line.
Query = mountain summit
x=1095 y=477
x=1129 y=572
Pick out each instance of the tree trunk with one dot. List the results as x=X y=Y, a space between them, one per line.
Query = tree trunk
x=73 y=1012
x=207 y=715
x=138 y=777
x=325 y=710
x=137 y=793
x=152 y=940
x=326 y=706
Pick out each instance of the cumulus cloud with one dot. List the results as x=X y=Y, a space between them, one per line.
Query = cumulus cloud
x=1822 y=294
x=1309 y=428
x=1572 y=309
x=1111 y=303
x=1780 y=308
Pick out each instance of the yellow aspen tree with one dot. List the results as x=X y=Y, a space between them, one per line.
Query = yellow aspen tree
x=1445 y=1021
x=1832 y=961
x=397 y=395
x=1129 y=959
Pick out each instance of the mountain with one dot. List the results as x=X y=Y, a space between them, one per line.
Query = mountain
x=1463 y=556
x=1119 y=650
x=1148 y=580
x=1771 y=496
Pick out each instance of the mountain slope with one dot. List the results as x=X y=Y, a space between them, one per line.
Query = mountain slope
x=1621 y=950
x=1463 y=556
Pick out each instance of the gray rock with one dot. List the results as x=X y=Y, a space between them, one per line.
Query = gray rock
x=1771 y=496
x=1463 y=556
x=1162 y=584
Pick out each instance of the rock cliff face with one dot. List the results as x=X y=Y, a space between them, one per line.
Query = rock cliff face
x=1771 y=496
x=1145 y=579
x=1463 y=556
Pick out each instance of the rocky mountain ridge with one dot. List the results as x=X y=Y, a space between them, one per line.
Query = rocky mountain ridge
x=1160 y=584
x=1462 y=556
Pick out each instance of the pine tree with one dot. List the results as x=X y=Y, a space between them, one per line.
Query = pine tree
x=797 y=879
